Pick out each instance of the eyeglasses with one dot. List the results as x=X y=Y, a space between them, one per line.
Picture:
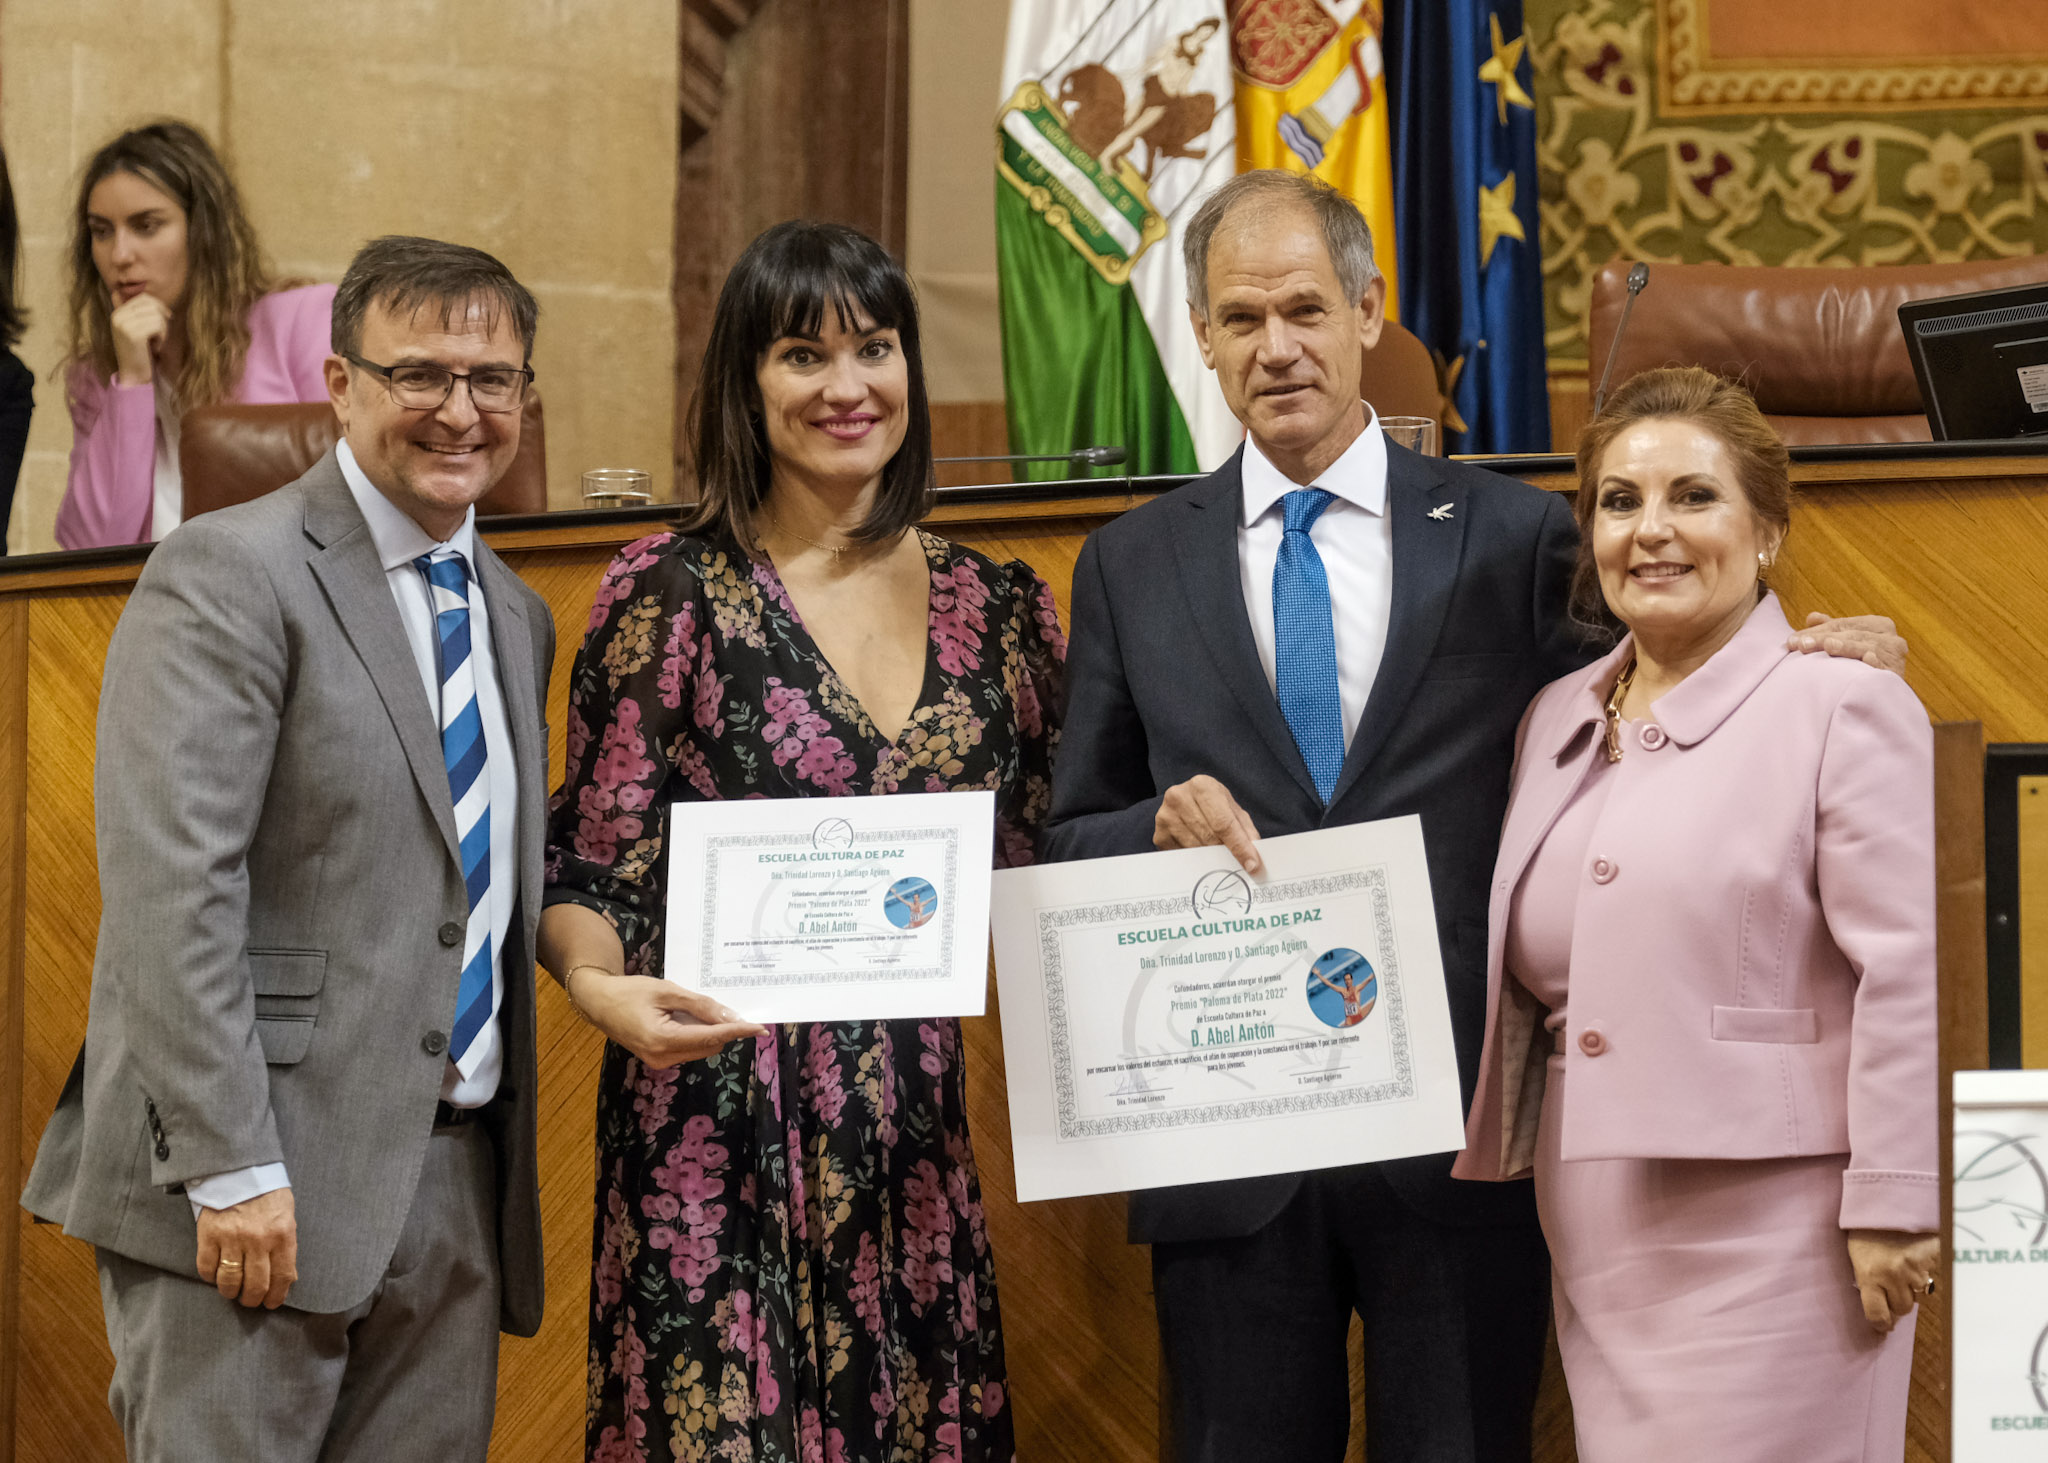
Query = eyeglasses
x=424 y=388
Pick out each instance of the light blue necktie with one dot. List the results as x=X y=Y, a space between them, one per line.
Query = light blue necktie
x=462 y=748
x=1305 y=643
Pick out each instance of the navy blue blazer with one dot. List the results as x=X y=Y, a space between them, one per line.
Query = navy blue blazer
x=1164 y=682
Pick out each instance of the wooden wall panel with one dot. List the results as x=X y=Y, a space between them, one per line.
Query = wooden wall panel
x=13 y=893
x=1571 y=406
x=541 y=1380
x=2032 y=795
x=793 y=128
x=1953 y=563
x=61 y=1397
x=1946 y=555
x=1965 y=1037
x=970 y=429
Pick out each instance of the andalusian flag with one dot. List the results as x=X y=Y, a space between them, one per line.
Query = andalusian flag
x=1115 y=123
x=1312 y=97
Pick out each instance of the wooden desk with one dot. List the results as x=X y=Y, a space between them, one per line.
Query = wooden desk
x=1950 y=549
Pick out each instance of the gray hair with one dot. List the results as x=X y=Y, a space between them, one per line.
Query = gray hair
x=404 y=274
x=1346 y=235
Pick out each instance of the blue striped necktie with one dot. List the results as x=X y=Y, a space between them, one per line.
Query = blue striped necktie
x=462 y=748
x=1305 y=643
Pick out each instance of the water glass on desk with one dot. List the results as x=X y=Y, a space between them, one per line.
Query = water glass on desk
x=1417 y=434
x=617 y=487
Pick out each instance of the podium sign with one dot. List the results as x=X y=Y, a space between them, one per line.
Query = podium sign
x=1999 y=1245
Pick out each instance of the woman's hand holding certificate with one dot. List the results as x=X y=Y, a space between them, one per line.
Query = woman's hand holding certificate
x=656 y=1020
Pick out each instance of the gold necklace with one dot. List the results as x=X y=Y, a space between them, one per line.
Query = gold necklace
x=835 y=550
x=1614 y=700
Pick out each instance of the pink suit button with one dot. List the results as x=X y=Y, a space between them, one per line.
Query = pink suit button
x=1653 y=737
x=1592 y=1043
x=1604 y=870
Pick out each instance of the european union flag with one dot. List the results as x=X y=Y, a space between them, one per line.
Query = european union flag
x=1469 y=244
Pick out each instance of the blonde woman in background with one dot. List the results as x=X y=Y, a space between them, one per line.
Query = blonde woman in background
x=172 y=307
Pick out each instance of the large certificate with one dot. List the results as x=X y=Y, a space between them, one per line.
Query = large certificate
x=1169 y=1020
x=840 y=909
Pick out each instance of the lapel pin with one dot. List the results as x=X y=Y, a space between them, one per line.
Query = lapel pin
x=1442 y=512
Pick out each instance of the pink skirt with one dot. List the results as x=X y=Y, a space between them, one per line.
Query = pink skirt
x=1706 y=1309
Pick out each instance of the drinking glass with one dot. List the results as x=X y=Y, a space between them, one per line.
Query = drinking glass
x=617 y=487
x=1417 y=434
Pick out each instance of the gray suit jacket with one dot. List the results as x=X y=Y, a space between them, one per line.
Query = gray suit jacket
x=283 y=904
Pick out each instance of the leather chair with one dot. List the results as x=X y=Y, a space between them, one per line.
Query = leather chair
x=232 y=453
x=1820 y=348
x=1399 y=377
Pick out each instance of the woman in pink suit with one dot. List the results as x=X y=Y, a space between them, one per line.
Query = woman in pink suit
x=172 y=307
x=1711 y=976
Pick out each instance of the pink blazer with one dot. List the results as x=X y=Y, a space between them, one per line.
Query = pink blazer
x=113 y=443
x=1752 y=966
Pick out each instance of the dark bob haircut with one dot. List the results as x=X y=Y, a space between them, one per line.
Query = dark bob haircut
x=13 y=318
x=781 y=286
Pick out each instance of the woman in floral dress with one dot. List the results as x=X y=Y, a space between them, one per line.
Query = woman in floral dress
x=791 y=1264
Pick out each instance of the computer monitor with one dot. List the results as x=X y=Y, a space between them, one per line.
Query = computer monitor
x=1982 y=361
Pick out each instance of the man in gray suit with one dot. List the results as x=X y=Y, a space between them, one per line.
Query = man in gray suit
x=301 y=1132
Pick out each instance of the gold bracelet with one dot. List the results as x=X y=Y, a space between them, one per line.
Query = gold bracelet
x=569 y=986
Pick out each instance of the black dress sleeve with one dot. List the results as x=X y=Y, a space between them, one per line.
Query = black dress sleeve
x=17 y=405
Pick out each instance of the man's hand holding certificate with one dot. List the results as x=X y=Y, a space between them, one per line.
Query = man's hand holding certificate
x=840 y=909
x=1170 y=1019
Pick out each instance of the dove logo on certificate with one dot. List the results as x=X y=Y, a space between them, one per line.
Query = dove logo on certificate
x=875 y=911
x=1169 y=1021
x=832 y=833
x=1226 y=893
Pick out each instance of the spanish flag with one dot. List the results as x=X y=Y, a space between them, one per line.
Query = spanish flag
x=1311 y=97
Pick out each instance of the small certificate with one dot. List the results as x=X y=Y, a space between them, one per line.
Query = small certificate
x=1169 y=1020
x=833 y=909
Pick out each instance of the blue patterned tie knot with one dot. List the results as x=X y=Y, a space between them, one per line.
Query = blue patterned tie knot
x=462 y=750
x=1304 y=506
x=1305 y=642
x=446 y=569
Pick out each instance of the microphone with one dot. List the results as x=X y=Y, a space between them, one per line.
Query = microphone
x=1638 y=277
x=1080 y=457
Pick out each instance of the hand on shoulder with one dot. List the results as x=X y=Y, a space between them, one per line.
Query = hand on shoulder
x=1872 y=639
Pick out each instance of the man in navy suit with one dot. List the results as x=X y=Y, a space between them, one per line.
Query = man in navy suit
x=1326 y=630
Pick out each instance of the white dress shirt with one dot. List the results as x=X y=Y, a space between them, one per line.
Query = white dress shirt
x=1355 y=539
x=167 y=478
x=400 y=540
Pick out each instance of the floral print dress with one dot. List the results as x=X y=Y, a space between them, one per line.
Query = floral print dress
x=791 y=1264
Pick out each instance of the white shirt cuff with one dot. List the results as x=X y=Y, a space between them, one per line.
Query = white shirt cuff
x=225 y=1190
